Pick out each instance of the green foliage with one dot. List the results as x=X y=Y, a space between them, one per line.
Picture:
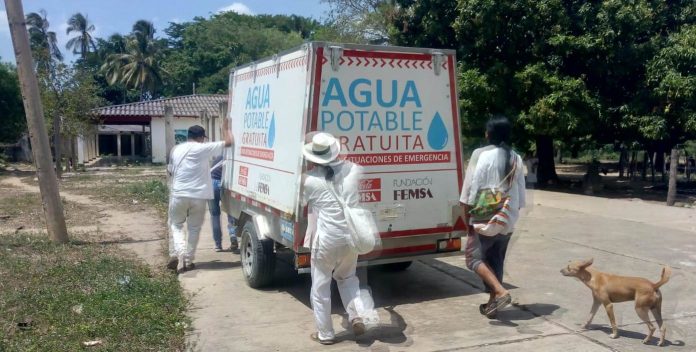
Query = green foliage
x=69 y=94
x=359 y=21
x=81 y=292
x=672 y=77
x=83 y=41
x=203 y=51
x=138 y=66
x=11 y=107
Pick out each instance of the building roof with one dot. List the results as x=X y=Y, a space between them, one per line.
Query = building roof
x=183 y=106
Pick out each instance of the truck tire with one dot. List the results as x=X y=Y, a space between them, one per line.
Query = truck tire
x=257 y=257
x=394 y=267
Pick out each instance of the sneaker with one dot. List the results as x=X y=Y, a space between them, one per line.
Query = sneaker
x=172 y=263
x=189 y=265
x=234 y=247
x=315 y=337
x=218 y=248
x=358 y=326
x=180 y=267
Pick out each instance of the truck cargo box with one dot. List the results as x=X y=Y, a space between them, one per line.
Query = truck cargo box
x=394 y=110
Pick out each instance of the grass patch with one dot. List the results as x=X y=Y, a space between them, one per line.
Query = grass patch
x=68 y=294
x=152 y=192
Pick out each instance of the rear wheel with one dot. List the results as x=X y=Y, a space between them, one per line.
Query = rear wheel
x=257 y=257
x=400 y=266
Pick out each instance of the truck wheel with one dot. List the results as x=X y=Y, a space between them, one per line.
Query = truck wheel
x=257 y=257
x=394 y=267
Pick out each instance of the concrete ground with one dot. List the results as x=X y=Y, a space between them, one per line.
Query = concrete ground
x=433 y=306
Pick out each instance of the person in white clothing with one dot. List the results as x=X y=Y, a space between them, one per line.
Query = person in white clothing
x=191 y=188
x=328 y=234
x=495 y=166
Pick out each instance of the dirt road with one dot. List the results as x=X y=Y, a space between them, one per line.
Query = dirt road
x=433 y=306
x=141 y=232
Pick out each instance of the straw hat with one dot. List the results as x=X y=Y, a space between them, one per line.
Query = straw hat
x=323 y=149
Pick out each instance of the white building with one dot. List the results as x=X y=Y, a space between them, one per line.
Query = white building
x=137 y=130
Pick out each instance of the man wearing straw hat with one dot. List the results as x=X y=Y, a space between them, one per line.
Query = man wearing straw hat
x=328 y=234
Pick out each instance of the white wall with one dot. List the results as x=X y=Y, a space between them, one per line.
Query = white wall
x=159 y=145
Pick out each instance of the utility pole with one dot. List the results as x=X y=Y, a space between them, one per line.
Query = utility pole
x=48 y=183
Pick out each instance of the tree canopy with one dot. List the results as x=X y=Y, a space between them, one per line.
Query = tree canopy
x=11 y=106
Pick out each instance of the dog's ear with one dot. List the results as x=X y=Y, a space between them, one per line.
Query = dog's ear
x=586 y=263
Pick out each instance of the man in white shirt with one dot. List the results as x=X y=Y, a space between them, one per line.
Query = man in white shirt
x=191 y=188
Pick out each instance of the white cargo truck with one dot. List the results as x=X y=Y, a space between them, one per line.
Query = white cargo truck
x=394 y=110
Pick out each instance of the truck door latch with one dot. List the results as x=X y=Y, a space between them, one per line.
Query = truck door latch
x=336 y=53
x=437 y=58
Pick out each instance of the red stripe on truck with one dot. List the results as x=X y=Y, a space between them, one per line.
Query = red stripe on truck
x=318 y=63
x=455 y=119
x=415 y=232
x=400 y=250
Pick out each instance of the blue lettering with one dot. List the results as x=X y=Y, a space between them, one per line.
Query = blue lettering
x=334 y=85
x=391 y=123
x=361 y=116
x=380 y=94
x=367 y=101
x=350 y=119
x=417 y=120
x=375 y=121
x=410 y=87
x=325 y=120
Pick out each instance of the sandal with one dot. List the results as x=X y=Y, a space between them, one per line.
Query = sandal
x=315 y=337
x=482 y=310
x=497 y=304
x=358 y=326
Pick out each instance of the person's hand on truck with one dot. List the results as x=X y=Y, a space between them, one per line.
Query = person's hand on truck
x=227 y=133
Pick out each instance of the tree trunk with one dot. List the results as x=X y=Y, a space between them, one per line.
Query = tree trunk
x=559 y=156
x=644 y=171
x=57 y=147
x=660 y=163
x=652 y=165
x=672 y=189
x=622 y=162
x=547 y=167
x=633 y=165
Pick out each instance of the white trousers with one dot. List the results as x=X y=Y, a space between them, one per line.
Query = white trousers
x=332 y=257
x=192 y=212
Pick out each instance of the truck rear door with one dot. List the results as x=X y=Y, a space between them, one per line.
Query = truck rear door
x=395 y=113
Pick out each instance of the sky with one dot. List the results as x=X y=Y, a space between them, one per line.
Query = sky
x=118 y=16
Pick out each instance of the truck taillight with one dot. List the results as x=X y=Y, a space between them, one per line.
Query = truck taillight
x=448 y=245
x=302 y=260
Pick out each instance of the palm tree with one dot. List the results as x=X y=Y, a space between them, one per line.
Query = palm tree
x=43 y=42
x=44 y=46
x=138 y=66
x=83 y=41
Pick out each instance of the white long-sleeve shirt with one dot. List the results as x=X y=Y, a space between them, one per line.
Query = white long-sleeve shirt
x=325 y=213
x=484 y=172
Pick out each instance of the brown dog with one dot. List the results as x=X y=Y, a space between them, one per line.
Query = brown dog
x=608 y=289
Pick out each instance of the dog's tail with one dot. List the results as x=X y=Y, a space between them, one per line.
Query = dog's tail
x=666 y=273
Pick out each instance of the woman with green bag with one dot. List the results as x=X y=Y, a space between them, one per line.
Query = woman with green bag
x=493 y=193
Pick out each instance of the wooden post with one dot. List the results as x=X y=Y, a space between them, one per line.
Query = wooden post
x=118 y=144
x=132 y=138
x=168 y=130
x=204 y=120
x=222 y=113
x=48 y=183
x=211 y=132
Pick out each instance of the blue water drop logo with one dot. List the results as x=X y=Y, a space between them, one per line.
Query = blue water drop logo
x=271 y=132
x=437 y=133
